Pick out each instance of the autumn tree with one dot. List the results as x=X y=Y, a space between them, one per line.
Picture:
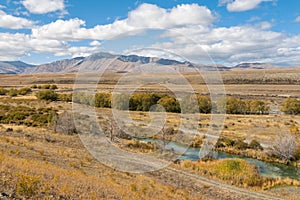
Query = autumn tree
x=291 y=106
x=285 y=146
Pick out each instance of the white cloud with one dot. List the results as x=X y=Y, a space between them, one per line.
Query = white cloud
x=146 y=16
x=297 y=19
x=188 y=28
x=152 y=16
x=242 y=5
x=95 y=43
x=43 y=6
x=12 y=22
x=232 y=45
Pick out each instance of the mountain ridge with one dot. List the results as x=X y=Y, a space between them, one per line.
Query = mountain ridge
x=120 y=63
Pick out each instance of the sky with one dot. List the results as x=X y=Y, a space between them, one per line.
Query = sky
x=225 y=32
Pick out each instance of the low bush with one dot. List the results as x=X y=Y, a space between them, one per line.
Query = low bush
x=48 y=95
x=241 y=145
x=254 y=144
x=24 y=91
x=13 y=92
x=3 y=91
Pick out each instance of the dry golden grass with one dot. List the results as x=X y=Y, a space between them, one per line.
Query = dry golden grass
x=62 y=168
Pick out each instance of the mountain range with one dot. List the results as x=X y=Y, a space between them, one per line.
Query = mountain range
x=118 y=64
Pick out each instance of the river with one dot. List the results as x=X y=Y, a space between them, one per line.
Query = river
x=274 y=170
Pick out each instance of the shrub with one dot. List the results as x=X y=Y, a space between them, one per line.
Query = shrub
x=3 y=91
x=225 y=142
x=65 y=97
x=47 y=95
x=34 y=86
x=13 y=92
x=16 y=115
x=291 y=106
x=241 y=145
x=254 y=144
x=24 y=91
x=27 y=185
x=53 y=87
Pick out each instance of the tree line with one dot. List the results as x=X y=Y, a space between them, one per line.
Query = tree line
x=188 y=104
x=157 y=102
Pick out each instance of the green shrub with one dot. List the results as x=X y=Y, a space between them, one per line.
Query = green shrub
x=225 y=142
x=3 y=91
x=65 y=97
x=241 y=145
x=16 y=116
x=48 y=95
x=53 y=87
x=24 y=91
x=291 y=106
x=13 y=92
x=254 y=144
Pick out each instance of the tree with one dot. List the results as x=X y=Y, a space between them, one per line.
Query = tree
x=64 y=123
x=232 y=105
x=120 y=101
x=285 y=146
x=291 y=106
x=103 y=100
x=170 y=104
x=257 y=107
x=204 y=103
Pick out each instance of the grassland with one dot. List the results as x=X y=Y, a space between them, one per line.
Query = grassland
x=38 y=163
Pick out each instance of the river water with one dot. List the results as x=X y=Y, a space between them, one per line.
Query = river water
x=266 y=169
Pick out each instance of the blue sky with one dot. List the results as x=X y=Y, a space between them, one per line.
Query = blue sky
x=221 y=31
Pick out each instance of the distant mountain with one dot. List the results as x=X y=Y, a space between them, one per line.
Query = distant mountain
x=13 y=67
x=254 y=66
x=54 y=67
x=120 y=64
x=106 y=62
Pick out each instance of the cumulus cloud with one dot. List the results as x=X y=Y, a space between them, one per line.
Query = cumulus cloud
x=297 y=19
x=15 y=46
x=43 y=6
x=232 y=45
x=188 y=30
x=241 y=5
x=12 y=22
x=146 y=16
